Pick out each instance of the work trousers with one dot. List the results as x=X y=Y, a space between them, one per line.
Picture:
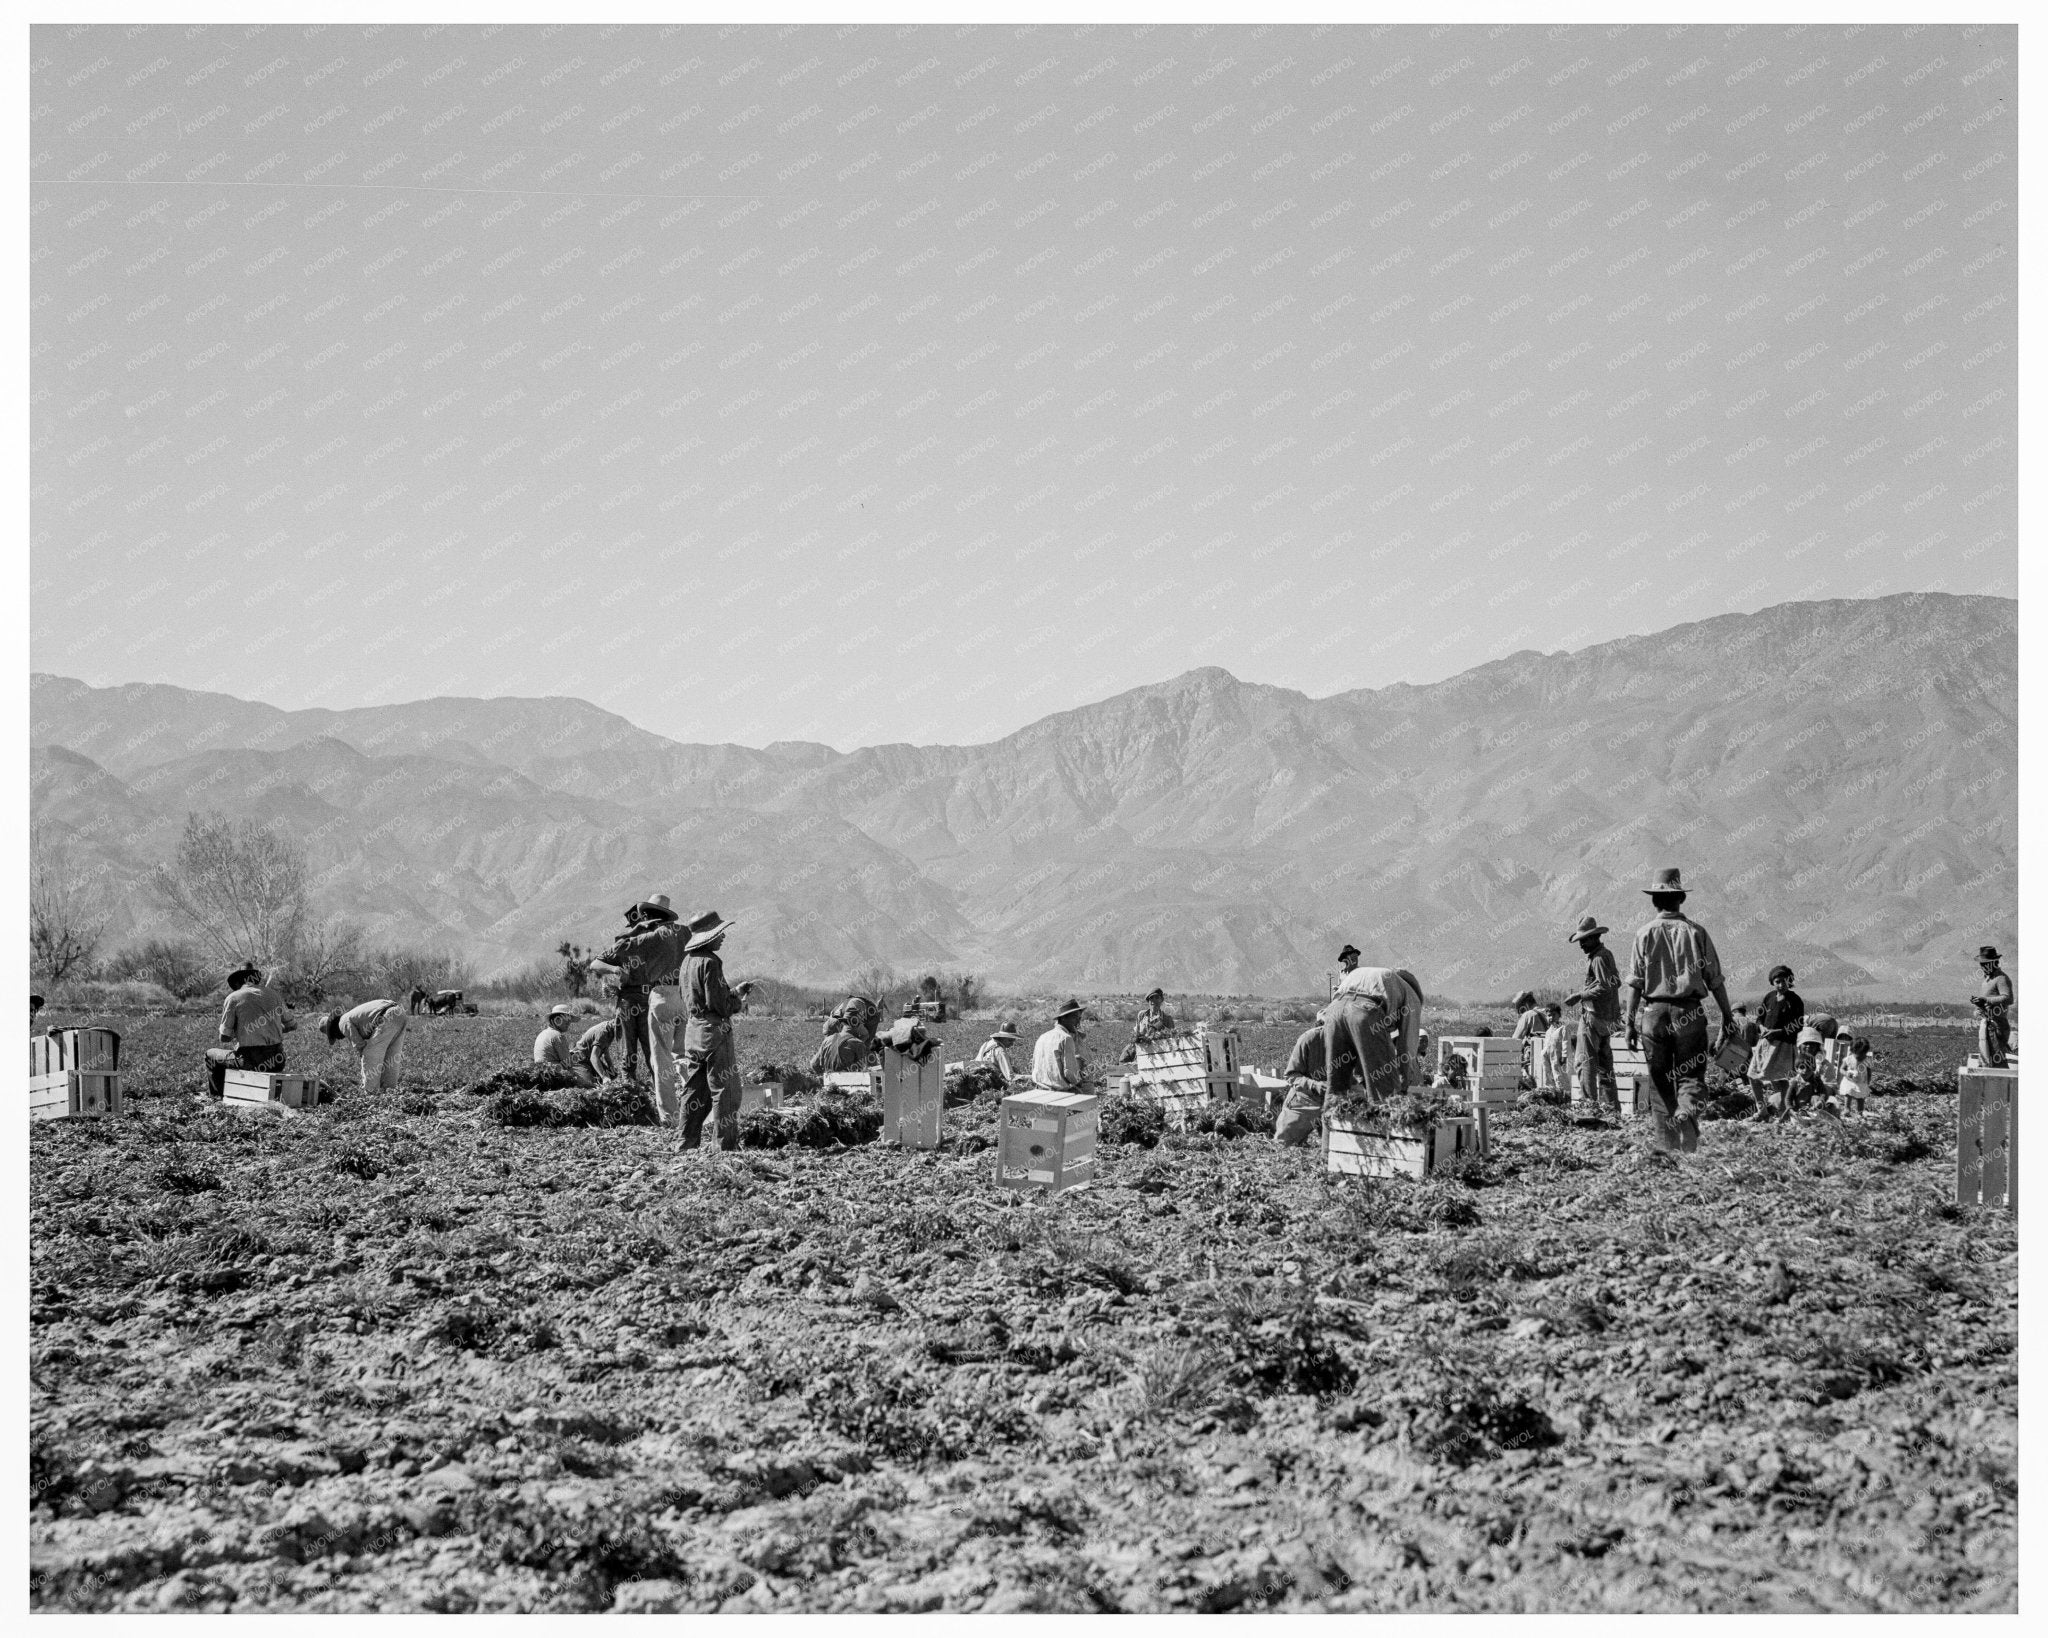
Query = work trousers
x=666 y=1016
x=631 y=1012
x=1596 y=1065
x=219 y=1060
x=1357 y=1025
x=1301 y=1113
x=1674 y=1037
x=382 y=1051
x=711 y=1075
x=1994 y=1040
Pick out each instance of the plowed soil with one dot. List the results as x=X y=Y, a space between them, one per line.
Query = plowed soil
x=395 y=1355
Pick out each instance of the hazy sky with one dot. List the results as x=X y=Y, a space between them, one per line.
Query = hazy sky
x=868 y=384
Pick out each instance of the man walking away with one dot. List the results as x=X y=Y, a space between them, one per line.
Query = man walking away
x=995 y=1052
x=1056 y=1056
x=1375 y=1017
x=648 y=962
x=1598 y=999
x=1673 y=968
x=711 y=1066
x=1994 y=1004
x=551 y=1045
x=252 y=1026
x=376 y=1029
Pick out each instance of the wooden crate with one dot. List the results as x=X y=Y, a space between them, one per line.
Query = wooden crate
x=73 y=1094
x=1733 y=1058
x=1046 y=1140
x=1360 y=1149
x=761 y=1095
x=1493 y=1065
x=247 y=1089
x=90 y=1047
x=854 y=1080
x=1987 y=1138
x=913 y=1099
x=1185 y=1073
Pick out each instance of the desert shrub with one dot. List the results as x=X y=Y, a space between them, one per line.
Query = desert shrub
x=177 y=966
x=101 y=995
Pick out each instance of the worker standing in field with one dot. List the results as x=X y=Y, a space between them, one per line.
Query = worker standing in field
x=1994 y=1004
x=252 y=1026
x=376 y=1029
x=648 y=962
x=1598 y=999
x=629 y=1000
x=1673 y=968
x=711 y=1068
x=1056 y=1056
x=1377 y=1014
x=1779 y=1017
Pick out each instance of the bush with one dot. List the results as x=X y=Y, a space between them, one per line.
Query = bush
x=177 y=966
x=126 y=995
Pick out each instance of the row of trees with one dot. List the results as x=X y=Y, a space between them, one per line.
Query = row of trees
x=234 y=892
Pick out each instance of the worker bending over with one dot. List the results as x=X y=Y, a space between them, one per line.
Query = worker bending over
x=376 y=1029
x=1377 y=1014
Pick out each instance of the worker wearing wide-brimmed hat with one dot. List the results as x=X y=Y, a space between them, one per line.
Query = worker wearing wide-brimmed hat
x=1994 y=1004
x=252 y=1026
x=995 y=1051
x=1598 y=999
x=1673 y=968
x=1056 y=1056
x=711 y=1065
x=648 y=960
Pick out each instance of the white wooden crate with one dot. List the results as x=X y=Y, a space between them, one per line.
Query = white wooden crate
x=245 y=1089
x=73 y=1094
x=1046 y=1140
x=1361 y=1149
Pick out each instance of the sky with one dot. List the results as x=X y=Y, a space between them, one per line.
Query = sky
x=871 y=384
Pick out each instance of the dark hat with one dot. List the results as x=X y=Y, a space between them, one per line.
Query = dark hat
x=1666 y=881
x=1348 y=950
x=1004 y=1032
x=330 y=1026
x=1589 y=927
x=242 y=975
x=657 y=907
x=1155 y=995
x=1988 y=952
x=1781 y=970
x=703 y=929
x=35 y=1002
x=1070 y=1009
x=1525 y=998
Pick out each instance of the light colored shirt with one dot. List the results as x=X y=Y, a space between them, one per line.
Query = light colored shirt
x=1153 y=1023
x=1531 y=1024
x=1673 y=959
x=1404 y=1006
x=996 y=1056
x=1997 y=991
x=1056 y=1061
x=1856 y=1077
x=595 y=1046
x=358 y=1024
x=551 y=1046
x=253 y=1017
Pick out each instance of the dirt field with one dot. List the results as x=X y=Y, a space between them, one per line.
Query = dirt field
x=393 y=1355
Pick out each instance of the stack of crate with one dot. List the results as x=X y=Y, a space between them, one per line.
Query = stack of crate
x=1493 y=1065
x=1046 y=1141
x=74 y=1073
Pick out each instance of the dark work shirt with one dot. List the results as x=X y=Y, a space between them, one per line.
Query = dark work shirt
x=1780 y=1012
x=648 y=955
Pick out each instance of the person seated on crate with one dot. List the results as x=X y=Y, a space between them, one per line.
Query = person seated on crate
x=376 y=1029
x=995 y=1052
x=1377 y=1011
x=599 y=1052
x=1779 y=1016
x=1994 y=1003
x=843 y=1051
x=1301 y=1107
x=252 y=1026
x=1056 y=1057
x=552 y=1044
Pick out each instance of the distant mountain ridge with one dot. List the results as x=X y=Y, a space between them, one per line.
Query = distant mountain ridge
x=1838 y=780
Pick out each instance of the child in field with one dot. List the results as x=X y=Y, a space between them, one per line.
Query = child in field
x=1811 y=1090
x=1855 y=1076
x=1555 y=1052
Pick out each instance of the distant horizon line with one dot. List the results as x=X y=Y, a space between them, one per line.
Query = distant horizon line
x=578 y=699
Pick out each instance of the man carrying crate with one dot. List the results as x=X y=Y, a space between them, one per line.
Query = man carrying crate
x=1673 y=968
x=252 y=1026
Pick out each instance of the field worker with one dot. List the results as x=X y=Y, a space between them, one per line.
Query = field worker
x=995 y=1052
x=252 y=1026
x=1994 y=1004
x=1778 y=1019
x=1551 y=1051
x=649 y=961
x=711 y=1067
x=1598 y=999
x=1673 y=968
x=1056 y=1057
x=843 y=1051
x=1155 y=1022
x=598 y=1052
x=376 y=1029
x=552 y=1045
x=629 y=1001
x=1530 y=1019
x=1301 y=1107
x=1378 y=1012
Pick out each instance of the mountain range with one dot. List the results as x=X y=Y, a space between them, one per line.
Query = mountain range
x=1838 y=781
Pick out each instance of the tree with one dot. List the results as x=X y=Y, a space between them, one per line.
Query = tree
x=67 y=912
x=875 y=983
x=325 y=956
x=177 y=965
x=241 y=886
x=967 y=988
x=575 y=966
x=400 y=970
